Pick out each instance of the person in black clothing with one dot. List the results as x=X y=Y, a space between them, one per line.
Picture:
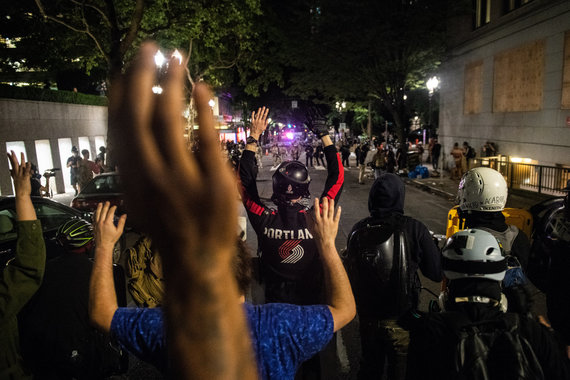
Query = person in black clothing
x=320 y=155
x=57 y=339
x=474 y=298
x=382 y=336
x=309 y=155
x=361 y=152
x=390 y=162
x=290 y=266
x=35 y=180
x=435 y=153
x=73 y=164
x=345 y=152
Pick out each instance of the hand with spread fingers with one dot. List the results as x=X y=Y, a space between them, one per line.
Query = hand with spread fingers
x=104 y=229
x=182 y=200
x=259 y=122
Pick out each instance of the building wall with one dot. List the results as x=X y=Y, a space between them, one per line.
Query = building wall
x=29 y=121
x=543 y=134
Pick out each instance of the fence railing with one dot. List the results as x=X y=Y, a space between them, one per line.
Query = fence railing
x=540 y=178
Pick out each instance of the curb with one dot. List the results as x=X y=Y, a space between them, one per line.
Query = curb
x=431 y=189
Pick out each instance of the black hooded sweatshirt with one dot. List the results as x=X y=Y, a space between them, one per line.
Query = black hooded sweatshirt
x=386 y=205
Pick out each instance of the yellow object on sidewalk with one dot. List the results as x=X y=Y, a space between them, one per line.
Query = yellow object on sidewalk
x=518 y=217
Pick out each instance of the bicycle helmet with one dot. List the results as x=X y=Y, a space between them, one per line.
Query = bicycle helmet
x=473 y=254
x=290 y=181
x=482 y=189
x=75 y=233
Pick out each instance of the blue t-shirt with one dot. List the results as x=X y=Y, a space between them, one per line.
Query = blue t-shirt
x=283 y=335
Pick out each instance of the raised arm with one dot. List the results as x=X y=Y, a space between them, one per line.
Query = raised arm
x=324 y=227
x=22 y=276
x=102 y=296
x=258 y=126
x=183 y=202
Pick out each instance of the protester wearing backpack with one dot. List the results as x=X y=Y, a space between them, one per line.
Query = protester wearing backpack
x=473 y=338
x=469 y=153
x=384 y=253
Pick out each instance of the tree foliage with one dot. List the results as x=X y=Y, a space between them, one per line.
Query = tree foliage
x=361 y=49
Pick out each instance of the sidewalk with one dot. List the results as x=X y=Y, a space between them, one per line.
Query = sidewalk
x=446 y=187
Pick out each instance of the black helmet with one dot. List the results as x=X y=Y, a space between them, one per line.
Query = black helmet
x=290 y=181
x=75 y=233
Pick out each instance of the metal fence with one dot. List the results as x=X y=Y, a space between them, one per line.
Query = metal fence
x=539 y=178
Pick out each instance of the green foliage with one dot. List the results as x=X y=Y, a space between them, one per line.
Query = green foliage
x=44 y=95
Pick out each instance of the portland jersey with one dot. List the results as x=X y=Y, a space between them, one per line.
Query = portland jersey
x=287 y=249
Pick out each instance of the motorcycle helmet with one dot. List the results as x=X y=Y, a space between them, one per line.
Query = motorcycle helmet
x=290 y=181
x=75 y=233
x=482 y=189
x=473 y=253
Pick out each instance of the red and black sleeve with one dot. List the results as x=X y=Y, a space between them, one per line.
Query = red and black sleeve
x=256 y=210
x=335 y=177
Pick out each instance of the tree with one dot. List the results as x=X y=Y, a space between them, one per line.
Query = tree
x=362 y=51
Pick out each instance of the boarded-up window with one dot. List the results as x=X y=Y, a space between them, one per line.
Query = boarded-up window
x=566 y=77
x=473 y=97
x=518 y=79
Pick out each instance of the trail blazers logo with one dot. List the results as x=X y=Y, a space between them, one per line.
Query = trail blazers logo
x=291 y=252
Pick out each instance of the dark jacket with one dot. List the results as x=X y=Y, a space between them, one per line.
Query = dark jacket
x=496 y=221
x=19 y=280
x=433 y=342
x=288 y=251
x=386 y=203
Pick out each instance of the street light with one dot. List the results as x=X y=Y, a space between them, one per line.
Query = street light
x=431 y=85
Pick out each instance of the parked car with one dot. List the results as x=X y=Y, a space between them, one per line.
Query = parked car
x=51 y=214
x=104 y=187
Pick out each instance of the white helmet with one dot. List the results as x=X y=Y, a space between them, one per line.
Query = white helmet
x=482 y=189
x=473 y=254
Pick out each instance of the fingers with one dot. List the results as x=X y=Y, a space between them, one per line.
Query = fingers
x=317 y=210
x=337 y=216
x=208 y=157
x=168 y=127
x=97 y=216
x=135 y=114
x=121 y=223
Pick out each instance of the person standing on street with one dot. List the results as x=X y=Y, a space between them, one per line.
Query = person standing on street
x=474 y=338
x=309 y=154
x=290 y=263
x=435 y=153
x=380 y=248
x=73 y=164
x=361 y=153
x=458 y=158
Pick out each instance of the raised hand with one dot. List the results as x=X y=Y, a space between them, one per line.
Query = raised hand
x=104 y=229
x=259 y=122
x=323 y=223
x=185 y=203
x=21 y=173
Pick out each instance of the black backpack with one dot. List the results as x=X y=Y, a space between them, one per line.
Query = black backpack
x=490 y=350
x=377 y=261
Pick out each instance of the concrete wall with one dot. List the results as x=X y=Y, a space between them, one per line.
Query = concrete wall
x=28 y=121
x=542 y=135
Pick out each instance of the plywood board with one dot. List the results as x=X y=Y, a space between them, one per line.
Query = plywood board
x=565 y=102
x=473 y=96
x=518 y=78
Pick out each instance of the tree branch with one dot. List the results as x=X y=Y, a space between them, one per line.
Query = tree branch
x=71 y=27
x=103 y=15
x=135 y=23
x=187 y=61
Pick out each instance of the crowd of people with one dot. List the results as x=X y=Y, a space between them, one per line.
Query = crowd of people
x=201 y=327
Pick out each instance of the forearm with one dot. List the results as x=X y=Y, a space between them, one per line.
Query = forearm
x=102 y=296
x=24 y=208
x=204 y=291
x=339 y=292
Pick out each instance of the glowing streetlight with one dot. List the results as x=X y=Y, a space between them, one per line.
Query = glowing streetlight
x=432 y=84
x=159 y=59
